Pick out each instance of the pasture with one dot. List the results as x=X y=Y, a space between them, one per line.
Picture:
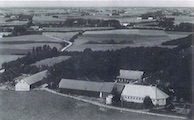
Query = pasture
x=35 y=38
x=68 y=29
x=137 y=37
x=41 y=105
x=24 y=44
x=8 y=58
x=51 y=61
x=182 y=18
x=62 y=35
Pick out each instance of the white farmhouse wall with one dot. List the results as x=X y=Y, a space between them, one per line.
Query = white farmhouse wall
x=160 y=102
x=22 y=86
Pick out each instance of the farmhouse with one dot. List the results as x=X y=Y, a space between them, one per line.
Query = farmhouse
x=30 y=82
x=129 y=76
x=86 y=88
x=137 y=93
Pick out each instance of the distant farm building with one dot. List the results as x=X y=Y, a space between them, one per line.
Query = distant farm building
x=150 y=18
x=129 y=76
x=86 y=88
x=139 y=18
x=137 y=93
x=30 y=82
x=125 y=24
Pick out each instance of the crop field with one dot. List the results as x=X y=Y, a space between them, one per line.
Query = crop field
x=61 y=35
x=24 y=44
x=133 y=38
x=51 y=61
x=179 y=19
x=41 y=105
x=35 y=38
x=7 y=58
x=15 y=22
x=67 y=29
x=28 y=46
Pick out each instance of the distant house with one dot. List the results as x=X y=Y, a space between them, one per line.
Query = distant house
x=86 y=88
x=139 y=18
x=125 y=24
x=2 y=71
x=34 y=27
x=30 y=82
x=150 y=18
x=128 y=76
x=137 y=93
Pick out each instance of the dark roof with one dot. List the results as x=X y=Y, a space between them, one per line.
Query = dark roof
x=86 y=85
x=35 y=77
x=130 y=74
x=119 y=87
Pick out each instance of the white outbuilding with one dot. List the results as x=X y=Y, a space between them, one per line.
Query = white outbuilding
x=137 y=93
x=29 y=82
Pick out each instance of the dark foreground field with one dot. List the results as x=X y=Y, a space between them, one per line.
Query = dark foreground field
x=40 y=105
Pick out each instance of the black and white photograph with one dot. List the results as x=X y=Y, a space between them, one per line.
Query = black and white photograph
x=96 y=59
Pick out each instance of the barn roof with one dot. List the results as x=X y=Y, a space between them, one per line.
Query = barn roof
x=86 y=85
x=130 y=74
x=35 y=77
x=119 y=87
x=142 y=91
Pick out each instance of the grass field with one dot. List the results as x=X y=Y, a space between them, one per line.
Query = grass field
x=181 y=19
x=75 y=28
x=51 y=61
x=24 y=44
x=40 y=105
x=38 y=38
x=61 y=35
x=146 y=38
x=7 y=58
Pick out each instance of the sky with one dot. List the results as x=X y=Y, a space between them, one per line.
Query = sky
x=96 y=3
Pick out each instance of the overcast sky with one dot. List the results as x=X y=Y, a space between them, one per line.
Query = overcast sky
x=96 y=3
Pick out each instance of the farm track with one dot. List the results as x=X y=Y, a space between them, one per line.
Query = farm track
x=63 y=49
x=113 y=107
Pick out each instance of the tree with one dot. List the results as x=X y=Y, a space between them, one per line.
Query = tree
x=116 y=96
x=147 y=102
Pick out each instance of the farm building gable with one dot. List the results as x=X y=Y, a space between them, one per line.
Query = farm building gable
x=136 y=93
x=22 y=86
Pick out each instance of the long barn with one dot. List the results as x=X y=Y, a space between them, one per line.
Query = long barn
x=86 y=88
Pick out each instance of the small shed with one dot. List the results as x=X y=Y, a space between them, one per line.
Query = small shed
x=86 y=88
x=30 y=82
x=129 y=76
x=137 y=93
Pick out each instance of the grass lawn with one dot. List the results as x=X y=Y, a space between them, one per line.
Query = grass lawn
x=41 y=105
